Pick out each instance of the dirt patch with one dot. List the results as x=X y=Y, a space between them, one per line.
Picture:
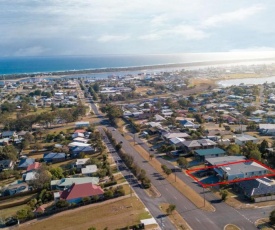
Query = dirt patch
x=113 y=214
x=175 y=218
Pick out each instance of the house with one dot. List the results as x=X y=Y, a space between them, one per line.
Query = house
x=40 y=209
x=82 y=124
x=15 y=189
x=29 y=176
x=76 y=192
x=203 y=154
x=77 y=134
x=159 y=118
x=78 y=144
x=267 y=129
x=240 y=170
x=167 y=135
x=81 y=149
x=80 y=163
x=6 y=164
x=54 y=157
x=24 y=163
x=9 y=134
x=260 y=189
x=80 y=139
x=176 y=141
x=33 y=167
x=65 y=183
x=224 y=160
x=241 y=139
x=88 y=170
x=189 y=124
x=198 y=144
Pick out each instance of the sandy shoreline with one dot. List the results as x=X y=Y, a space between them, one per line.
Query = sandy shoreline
x=126 y=69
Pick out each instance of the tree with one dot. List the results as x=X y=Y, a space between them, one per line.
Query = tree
x=182 y=162
x=255 y=154
x=29 y=137
x=263 y=146
x=42 y=178
x=170 y=209
x=86 y=199
x=38 y=146
x=57 y=173
x=224 y=194
x=62 y=204
x=233 y=149
x=248 y=111
x=272 y=217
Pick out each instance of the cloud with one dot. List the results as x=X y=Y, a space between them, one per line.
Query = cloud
x=150 y=36
x=254 y=49
x=30 y=51
x=234 y=16
x=113 y=38
x=188 y=32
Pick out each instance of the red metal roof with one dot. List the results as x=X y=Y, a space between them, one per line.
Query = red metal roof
x=80 y=131
x=81 y=190
x=33 y=166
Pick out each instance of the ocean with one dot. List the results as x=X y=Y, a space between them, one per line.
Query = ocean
x=20 y=65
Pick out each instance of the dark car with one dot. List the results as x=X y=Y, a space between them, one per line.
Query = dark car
x=11 y=221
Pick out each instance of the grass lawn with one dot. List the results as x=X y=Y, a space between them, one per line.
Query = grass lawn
x=119 y=178
x=64 y=164
x=112 y=214
x=7 y=181
x=175 y=218
x=16 y=199
x=4 y=213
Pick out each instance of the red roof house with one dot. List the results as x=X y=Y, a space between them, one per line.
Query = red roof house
x=76 y=192
x=34 y=166
x=80 y=131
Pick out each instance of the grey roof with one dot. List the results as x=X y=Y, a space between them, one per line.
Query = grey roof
x=225 y=160
x=65 y=182
x=258 y=187
x=245 y=137
x=242 y=168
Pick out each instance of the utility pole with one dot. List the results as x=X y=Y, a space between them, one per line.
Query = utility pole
x=175 y=174
x=203 y=197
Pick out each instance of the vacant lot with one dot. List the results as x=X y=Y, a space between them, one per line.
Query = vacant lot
x=111 y=214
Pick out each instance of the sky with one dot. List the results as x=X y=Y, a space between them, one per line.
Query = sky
x=98 y=27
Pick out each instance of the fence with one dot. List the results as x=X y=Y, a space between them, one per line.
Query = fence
x=264 y=198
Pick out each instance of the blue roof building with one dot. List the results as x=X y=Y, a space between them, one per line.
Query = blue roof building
x=82 y=149
x=54 y=157
x=203 y=154
x=24 y=163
